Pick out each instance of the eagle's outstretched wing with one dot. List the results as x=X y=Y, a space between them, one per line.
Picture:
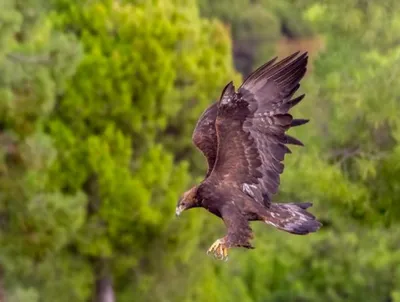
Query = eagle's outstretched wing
x=205 y=137
x=251 y=125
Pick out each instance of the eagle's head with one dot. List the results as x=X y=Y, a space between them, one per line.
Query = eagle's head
x=187 y=201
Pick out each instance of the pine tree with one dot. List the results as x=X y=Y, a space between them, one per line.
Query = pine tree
x=37 y=219
x=148 y=71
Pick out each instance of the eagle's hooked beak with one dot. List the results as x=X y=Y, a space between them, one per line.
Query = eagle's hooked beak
x=179 y=209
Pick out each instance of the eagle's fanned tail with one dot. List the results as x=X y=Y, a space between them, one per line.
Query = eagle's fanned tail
x=292 y=218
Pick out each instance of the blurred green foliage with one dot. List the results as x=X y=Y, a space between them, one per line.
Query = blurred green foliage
x=98 y=100
x=256 y=26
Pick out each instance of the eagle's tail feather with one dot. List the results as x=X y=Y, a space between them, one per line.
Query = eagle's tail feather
x=292 y=218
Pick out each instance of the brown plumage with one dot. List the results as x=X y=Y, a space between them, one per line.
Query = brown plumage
x=243 y=137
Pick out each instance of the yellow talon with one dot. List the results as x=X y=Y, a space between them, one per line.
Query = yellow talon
x=219 y=250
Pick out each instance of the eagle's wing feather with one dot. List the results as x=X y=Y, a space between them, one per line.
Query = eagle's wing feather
x=251 y=126
x=205 y=137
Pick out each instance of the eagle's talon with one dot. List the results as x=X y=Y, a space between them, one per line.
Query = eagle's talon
x=219 y=250
x=219 y=255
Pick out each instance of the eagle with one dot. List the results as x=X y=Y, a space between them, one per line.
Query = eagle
x=243 y=137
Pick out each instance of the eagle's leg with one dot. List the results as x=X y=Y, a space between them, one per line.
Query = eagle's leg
x=219 y=249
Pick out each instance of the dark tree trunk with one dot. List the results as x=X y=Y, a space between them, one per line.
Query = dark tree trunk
x=2 y=290
x=104 y=290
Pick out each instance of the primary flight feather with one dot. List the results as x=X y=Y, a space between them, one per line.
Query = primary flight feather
x=243 y=136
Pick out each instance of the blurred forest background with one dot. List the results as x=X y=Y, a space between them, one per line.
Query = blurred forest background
x=98 y=100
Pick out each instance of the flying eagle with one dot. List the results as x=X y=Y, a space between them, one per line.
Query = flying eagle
x=243 y=138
